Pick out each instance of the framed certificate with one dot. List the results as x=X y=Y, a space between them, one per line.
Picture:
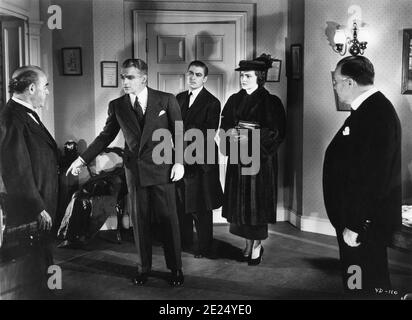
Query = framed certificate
x=109 y=74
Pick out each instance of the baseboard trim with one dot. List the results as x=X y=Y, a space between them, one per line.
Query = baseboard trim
x=307 y=223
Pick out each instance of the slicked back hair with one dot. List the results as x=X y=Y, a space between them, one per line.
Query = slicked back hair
x=358 y=68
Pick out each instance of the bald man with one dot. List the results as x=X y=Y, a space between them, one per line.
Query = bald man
x=28 y=153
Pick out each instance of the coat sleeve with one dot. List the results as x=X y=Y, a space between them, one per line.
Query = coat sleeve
x=227 y=123
x=273 y=126
x=108 y=134
x=23 y=199
x=211 y=122
x=371 y=168
x=176 y=127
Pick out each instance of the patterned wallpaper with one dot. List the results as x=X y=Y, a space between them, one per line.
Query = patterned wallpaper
x=385 y=20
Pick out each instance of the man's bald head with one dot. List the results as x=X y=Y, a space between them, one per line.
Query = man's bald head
x=23 y=77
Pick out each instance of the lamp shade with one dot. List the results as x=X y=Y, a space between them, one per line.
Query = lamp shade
x=340 y=37
x=363 y=35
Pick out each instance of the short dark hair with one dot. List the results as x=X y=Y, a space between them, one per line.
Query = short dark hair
x=200 y=64
x=137 y=63
x=358 y=68
x=261 y=77
x=23 y=77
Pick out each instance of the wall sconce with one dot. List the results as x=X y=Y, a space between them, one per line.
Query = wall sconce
x=357 y=44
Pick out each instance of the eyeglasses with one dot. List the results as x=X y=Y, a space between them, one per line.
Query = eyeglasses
x=335 y=82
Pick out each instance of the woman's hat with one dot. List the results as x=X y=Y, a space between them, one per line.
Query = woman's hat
x=249 y=65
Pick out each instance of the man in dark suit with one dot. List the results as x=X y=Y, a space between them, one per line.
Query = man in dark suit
x=200 y=191
x=141 y=113
x=362 y=178
x=29 y=162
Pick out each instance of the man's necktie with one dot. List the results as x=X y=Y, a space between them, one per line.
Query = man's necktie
x=185 y=106
x=139 y=112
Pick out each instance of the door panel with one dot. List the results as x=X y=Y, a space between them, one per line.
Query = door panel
x=172 y=46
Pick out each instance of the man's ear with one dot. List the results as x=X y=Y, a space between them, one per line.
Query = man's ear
x=144 y=78
x=32 y=88
x=204 y=79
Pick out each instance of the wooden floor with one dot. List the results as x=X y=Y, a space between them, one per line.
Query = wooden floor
x=296 y=265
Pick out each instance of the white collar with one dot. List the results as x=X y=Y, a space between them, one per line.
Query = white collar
x=252 y=90
x=195 y=92
x=24 y=103
x=360 y=99
x=142 y=97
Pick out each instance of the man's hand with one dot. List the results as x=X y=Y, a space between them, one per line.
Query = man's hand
x=45 y=221
x=177 y=172
x=350 y=237
x=76 y=167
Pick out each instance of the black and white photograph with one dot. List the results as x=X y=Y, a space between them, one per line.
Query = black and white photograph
x=200 y=154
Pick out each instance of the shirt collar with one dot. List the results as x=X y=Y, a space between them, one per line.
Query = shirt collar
x=359 y=100
x=142 y=96
x=24 y=103
x=195 y=92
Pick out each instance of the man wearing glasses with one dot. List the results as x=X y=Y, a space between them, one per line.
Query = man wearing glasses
x=152 y=199
x=362 y=178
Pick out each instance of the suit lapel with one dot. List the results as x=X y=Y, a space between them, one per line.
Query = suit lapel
x=36 y=128
x=151 y=114
x=196 y=106
x=126 y=113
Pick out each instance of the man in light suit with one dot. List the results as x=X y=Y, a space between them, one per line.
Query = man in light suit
x=29 y=165
x=139 y=113
x=362 y=178
x=200 y=191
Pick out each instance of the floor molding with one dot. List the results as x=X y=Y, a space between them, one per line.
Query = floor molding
x=306 y=223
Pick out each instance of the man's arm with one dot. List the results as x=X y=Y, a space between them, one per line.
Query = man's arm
x=22 y=198
x=371 y=162
x=176 y=128
x=108 y=134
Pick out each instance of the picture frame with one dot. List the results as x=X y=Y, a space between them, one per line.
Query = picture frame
x=406 y=84
x=109 y=74
x=296 y=61
x=72 y=61
x=340 y=106
x=273 y=73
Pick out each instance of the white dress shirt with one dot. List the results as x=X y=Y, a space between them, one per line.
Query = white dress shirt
x=194 y=95
x=141 y=97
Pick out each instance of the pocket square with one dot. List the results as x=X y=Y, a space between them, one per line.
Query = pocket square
x=162 y=113
x=346 y=131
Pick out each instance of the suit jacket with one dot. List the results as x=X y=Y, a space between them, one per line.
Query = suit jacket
x=362 y=170
x=162 y=112
x=203 y=190
x=28 y=166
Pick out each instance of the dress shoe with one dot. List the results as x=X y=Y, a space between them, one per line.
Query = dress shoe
x=256 y=261
x=140 y=278
x=199 y=255
x=176 y=278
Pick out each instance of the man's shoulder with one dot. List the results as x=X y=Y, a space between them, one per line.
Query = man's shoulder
x=209 y=96
x=159 y=94
x=10 y=114
x=118 y=100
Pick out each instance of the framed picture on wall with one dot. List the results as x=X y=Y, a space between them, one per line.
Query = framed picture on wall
x=72 y=61
x=340 y=106
x=273 y=74
x=109 y=74
x=406 y=87
x=296 y=61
